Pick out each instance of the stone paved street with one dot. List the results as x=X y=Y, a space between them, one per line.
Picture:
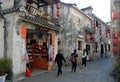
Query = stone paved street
x=96 y=71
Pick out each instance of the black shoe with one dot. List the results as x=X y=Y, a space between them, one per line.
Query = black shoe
x=57 y=74
x=74 y=71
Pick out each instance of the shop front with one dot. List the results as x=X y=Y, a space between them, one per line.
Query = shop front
x=40 y=49
x=37 y=44
x=40 y=46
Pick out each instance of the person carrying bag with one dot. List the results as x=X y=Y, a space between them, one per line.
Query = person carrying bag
x=73 y=60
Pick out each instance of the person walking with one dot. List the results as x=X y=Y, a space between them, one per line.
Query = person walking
x=59 y=60
x=84 y=56
x=73 y=59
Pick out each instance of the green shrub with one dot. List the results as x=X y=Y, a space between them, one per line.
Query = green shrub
x=5 y=65
x=117 y=66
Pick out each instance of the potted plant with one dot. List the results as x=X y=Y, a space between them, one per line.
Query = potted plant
x=116 y=72
x=5 y=66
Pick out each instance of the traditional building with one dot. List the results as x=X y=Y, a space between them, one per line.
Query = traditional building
x=115 y=25
x=72 y=33
x=27 y=28
x=102 y=35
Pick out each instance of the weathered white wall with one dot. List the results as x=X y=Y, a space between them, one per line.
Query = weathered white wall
x=15 y=47
x=6 y=4
x=72 y=22
x=1 y=37
x=19 y=49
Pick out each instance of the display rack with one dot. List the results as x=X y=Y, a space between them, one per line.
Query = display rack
x=38 y=51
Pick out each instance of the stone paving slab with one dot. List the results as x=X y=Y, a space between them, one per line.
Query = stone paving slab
x=96 y=71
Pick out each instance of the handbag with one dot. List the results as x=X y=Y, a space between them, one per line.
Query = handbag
x=72 y=59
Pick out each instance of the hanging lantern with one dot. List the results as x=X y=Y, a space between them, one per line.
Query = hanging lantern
x=88 y=37
x=58 y=5
x=106 y=32
x=115 y=50
x=115 y=42
x=58 y=12
x=114 y=15
x=115 y=35
x=94 y=25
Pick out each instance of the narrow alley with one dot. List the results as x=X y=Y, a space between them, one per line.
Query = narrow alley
x=97 y=71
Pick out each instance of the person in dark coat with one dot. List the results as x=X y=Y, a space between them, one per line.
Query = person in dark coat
x=74 y=63
x=84 y=56
x=59 y=60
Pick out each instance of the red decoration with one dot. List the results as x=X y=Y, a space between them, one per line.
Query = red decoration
x=115 y=50
x=115 y=42
x=23 y=31
x=114 y=15
x=94 y=25
x=115 y=35
x=58 y=12
x=88 y=37
x=100 y=26
x=58 y=5
x=106 y=32
x=28 y=73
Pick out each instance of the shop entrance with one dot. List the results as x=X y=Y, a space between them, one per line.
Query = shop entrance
x=37 y=48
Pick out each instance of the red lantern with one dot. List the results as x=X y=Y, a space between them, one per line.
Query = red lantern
x=87 y=37
x=115 y=35
x=106 y=32
x=114 y=15
x=115 y=50
x=58 y=12
x=58 y=5
x=94 y=25
x=115 y=42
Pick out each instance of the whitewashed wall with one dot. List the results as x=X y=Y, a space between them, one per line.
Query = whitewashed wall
x=6 y=4
x=1 y=37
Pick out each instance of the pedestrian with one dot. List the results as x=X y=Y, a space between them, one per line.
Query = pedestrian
x=73 y=59
x=102 y=50
x=59 y=60
x=84 y=56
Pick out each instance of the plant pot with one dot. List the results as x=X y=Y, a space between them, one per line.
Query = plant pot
x=3 y=77
x=28 y=73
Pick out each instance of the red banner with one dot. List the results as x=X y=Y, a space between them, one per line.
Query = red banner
x=23 y=32
x=53 y=45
